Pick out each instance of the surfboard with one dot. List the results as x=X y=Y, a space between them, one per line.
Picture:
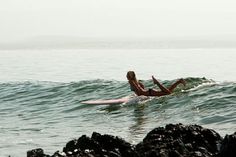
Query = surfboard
x=106 y=102
x=125 y=100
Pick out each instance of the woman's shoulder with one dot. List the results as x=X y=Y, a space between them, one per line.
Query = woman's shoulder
x=141 y=84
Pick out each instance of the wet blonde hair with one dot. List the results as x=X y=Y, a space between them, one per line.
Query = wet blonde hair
x=131 y=75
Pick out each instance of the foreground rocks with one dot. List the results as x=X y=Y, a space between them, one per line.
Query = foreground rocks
x=172 y=141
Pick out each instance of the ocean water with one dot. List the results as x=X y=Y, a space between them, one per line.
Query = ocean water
x=41 y=93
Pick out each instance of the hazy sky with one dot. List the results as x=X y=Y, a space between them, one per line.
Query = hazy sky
x=26 y=19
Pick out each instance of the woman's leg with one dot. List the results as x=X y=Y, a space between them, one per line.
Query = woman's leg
x=163 y=89
x=153 y=92
x=173 y=86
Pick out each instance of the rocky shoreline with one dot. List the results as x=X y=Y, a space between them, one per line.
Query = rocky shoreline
x=173 y=140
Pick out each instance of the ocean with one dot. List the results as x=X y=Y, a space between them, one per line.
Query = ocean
x=41 y=93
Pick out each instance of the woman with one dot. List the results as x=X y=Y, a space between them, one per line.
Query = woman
x=139 y=88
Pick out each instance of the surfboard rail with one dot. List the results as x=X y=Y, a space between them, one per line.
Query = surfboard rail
x=105 y=102
x=126 y=100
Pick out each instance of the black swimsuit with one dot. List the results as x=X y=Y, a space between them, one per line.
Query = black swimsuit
x=149 y=91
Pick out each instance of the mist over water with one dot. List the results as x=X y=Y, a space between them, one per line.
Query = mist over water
x=85 y=64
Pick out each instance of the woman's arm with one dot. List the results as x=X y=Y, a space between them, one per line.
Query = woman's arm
x=137 y=88
x=164 y=89
x=141 y=84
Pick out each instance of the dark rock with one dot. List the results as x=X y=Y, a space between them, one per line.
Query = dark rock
x=114 y=144
x=180 y=140
x=70 y=146
x=228 y=147
x=99 y=145
x=59 y=154
x=36 y=153
x=171 y=141
x=86 y=143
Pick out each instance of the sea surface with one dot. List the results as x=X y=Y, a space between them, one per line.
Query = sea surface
x=41 y=93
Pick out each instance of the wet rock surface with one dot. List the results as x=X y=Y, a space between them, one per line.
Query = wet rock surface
x=228 y=147
x=180 y=140
x=173 y=140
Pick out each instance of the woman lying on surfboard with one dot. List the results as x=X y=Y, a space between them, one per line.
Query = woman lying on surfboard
x=139 y=88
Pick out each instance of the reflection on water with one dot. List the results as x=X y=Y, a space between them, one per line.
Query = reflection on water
x=139 y=119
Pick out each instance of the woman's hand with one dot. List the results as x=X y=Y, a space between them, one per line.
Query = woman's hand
x=182 y=81
x=155 y=80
